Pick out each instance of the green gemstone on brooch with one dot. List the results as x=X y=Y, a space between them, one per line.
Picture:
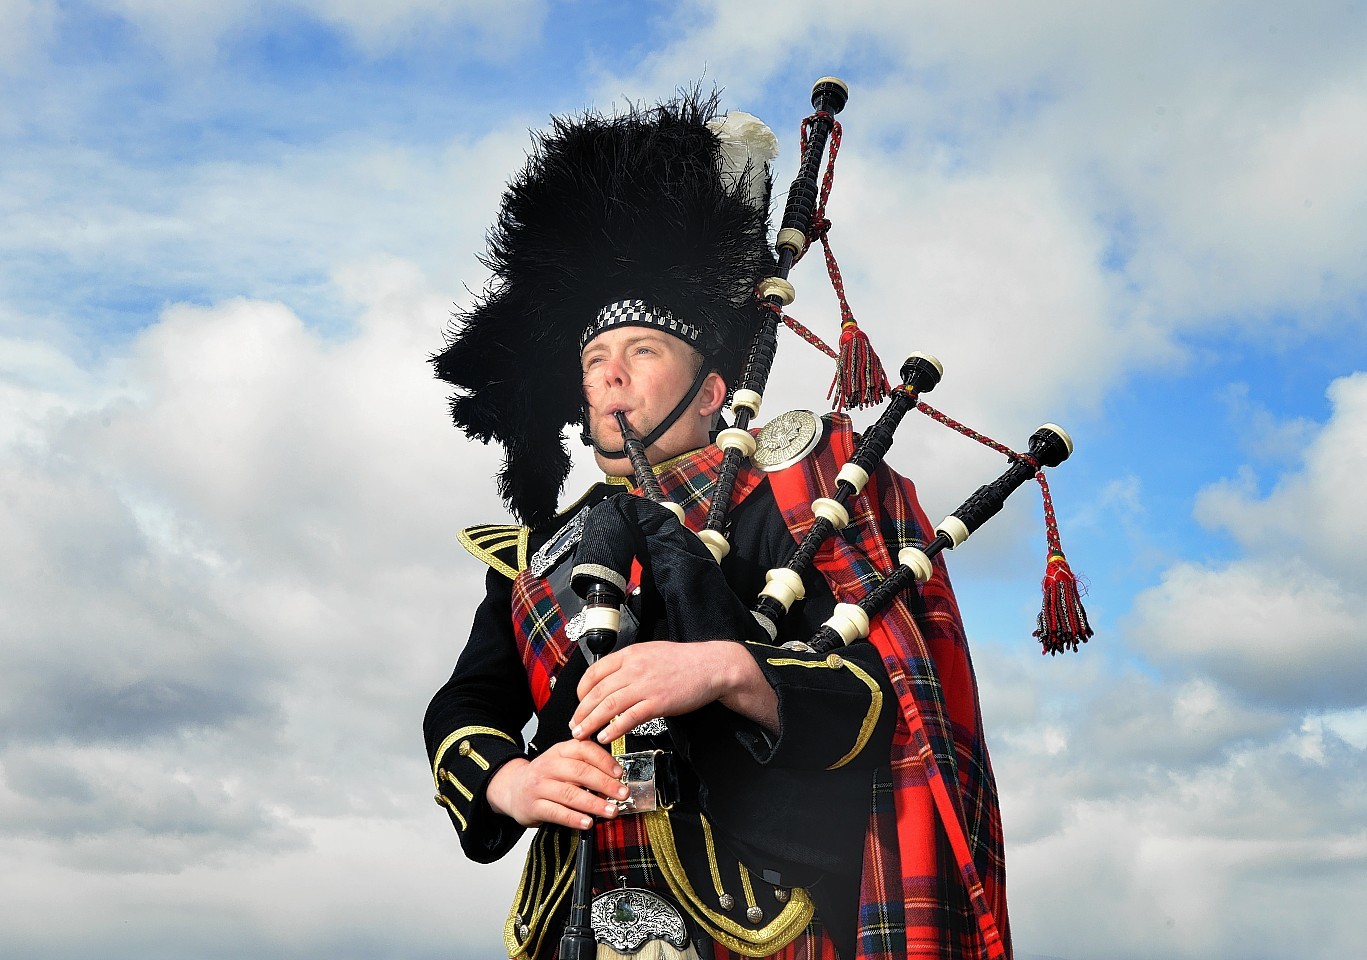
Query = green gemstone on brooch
x=624 y=912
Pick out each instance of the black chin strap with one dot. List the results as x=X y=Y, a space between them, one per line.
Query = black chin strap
x=659 y=431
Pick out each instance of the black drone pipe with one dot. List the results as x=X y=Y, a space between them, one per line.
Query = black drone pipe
x=829 y=96
x=920 y=374
x=1049 y=446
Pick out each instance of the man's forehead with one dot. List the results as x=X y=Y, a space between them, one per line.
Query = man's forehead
x=628 y=336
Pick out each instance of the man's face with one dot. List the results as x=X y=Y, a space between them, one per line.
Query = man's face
x=643 y=373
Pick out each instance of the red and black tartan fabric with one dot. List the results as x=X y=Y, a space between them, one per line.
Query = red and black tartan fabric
x=948 y=884
x=539 y=625
x=538 y=621
x=933 y=881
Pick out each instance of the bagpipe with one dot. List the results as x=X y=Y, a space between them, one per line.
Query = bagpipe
x=601 y=577
x=860 y=381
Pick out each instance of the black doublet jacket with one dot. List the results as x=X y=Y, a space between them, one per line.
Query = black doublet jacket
x=791 y=808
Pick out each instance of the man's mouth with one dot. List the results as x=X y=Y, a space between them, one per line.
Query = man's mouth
x=605 y=427
x=609 y=415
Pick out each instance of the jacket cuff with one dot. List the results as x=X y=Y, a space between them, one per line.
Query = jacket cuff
x=833 y=710
x=462 y=767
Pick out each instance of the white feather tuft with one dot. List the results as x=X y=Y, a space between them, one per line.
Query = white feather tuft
x=747 y=147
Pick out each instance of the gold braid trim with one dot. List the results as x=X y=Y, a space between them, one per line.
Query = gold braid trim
x=465 y=732
x=542 y=906
x=487 y=540
x=745 y=886
x=870 y=716
x=450 y=778
x=770 y=938
x=655 y=468
x=712 y=867
x=446 y=802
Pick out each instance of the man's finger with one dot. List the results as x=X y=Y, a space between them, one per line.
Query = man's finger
x=547 y=811
x=616 y=711
x=603 y=667
x=584 y=776
x=598 y=705
x=588 y=753
x=625 y=722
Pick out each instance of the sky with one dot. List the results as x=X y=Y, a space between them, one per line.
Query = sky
x=231 y=234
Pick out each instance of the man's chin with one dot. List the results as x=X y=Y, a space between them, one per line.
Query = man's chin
x=613 y=468
x=617 y=467
x=607 y=435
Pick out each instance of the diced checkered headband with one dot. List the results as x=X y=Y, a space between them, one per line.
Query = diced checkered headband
x=638 y=313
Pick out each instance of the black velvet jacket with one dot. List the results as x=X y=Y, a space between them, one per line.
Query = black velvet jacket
x=792 y=808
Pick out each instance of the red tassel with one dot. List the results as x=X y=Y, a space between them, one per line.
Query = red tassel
x=1062 y=621
x=860 y=380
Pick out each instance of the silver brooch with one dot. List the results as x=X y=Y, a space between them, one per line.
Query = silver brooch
x=786 y=439
x=628 y=918
x=553 y=550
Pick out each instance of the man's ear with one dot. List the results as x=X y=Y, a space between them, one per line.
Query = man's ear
x=711 y=395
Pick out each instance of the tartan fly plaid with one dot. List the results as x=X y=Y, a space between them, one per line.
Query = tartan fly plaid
x=539 y=624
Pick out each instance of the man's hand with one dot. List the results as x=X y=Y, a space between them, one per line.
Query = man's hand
x=566 y=785
x=664 y=679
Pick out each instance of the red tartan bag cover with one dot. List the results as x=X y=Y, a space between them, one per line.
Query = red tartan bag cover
x=933 y=860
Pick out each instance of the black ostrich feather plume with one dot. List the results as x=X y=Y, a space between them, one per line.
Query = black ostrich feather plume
x=606 y=208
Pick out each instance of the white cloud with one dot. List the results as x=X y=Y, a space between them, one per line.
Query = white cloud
x=1138 y=809
x=1264 y=435
x=992 y=274
x=361 y=887
x=233 y=586
x=1283 y=623
x=1201 y=150
x=489 y=31
x=110 y=810
x=1314 y=512
x=89 y=222
x=185 y=29
x=1350 y=726
x=1222 y=774
x=23 y=25
x=1254 y=839
x=1276 y=631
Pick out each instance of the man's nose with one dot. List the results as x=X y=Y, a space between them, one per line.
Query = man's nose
x=613 y=371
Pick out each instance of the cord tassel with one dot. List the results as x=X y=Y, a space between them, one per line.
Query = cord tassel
x=1062 y=620
x=860 y=380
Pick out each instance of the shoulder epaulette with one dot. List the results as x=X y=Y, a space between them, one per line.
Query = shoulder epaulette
x=502 y=546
